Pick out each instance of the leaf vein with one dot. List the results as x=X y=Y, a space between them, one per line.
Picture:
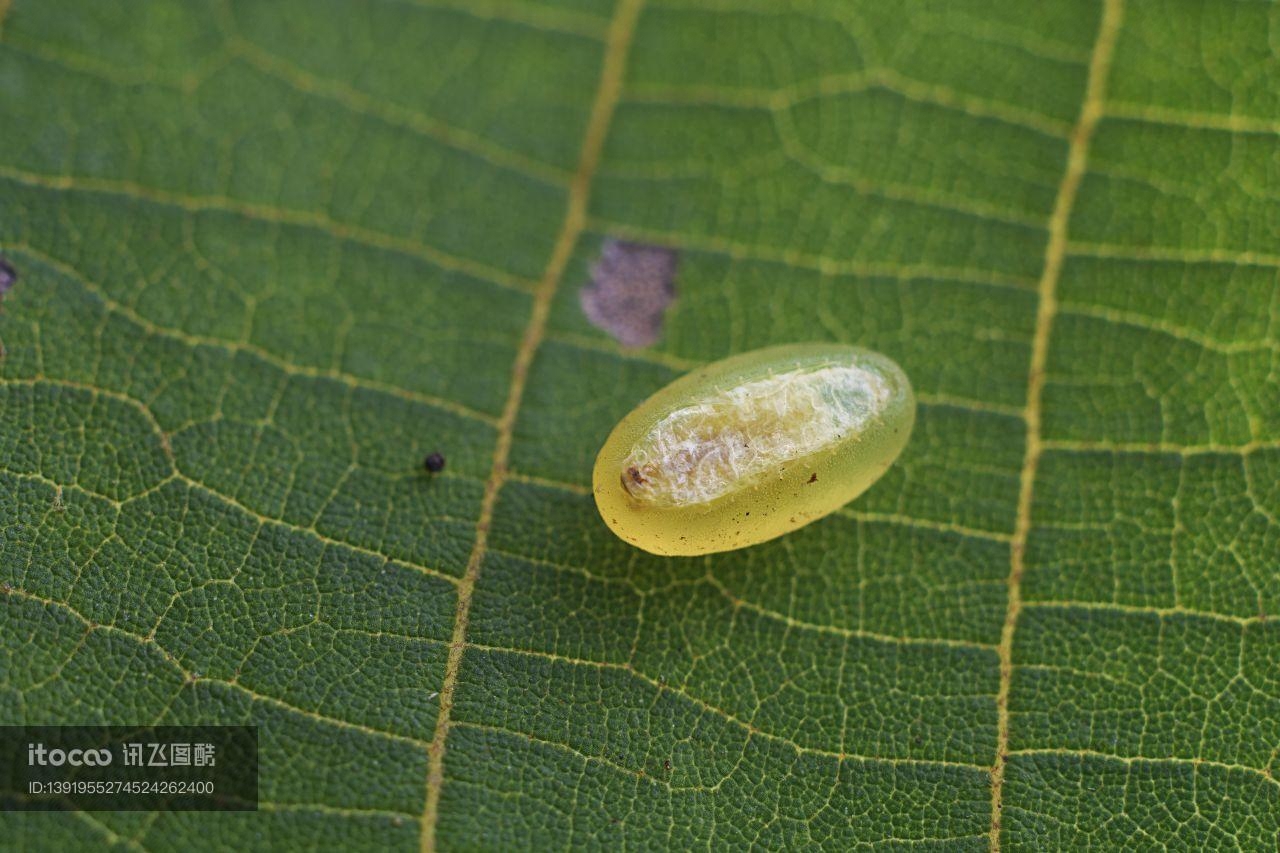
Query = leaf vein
x=1142 y=759
x=190 y=678
x=1055 y=254
x=737 y=250
x=282 y=364
x=362 y=104
x=319 y=222
x=621 y=30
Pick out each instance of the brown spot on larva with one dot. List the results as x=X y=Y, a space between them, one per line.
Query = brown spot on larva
x=631 y=286
x=813 y=478
x=434 y=463
x=666 y=765
x=8 y=275
x=631 y=478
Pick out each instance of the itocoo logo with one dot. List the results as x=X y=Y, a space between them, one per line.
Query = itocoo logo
x=37 y=753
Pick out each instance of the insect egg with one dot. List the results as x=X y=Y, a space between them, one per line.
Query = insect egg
x=752 y=447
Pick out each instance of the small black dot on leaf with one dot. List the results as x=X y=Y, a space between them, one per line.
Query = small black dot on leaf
x=434 y=463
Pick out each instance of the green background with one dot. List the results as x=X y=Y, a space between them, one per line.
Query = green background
x=273 y=253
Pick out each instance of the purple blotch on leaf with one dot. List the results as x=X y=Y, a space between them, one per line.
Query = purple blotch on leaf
x=8 y=276
x=631 y=286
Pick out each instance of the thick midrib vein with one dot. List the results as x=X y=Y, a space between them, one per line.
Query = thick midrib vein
x=1055 y=252
x=617 y=45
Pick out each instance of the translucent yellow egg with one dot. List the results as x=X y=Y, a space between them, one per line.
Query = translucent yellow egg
x=752 y=447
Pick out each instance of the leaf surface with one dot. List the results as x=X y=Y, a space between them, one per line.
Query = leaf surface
x=271 y=255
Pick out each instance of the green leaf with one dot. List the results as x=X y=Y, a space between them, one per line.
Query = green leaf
x=270 y=255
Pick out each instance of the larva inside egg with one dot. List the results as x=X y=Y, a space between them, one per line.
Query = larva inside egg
x=749 y=448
